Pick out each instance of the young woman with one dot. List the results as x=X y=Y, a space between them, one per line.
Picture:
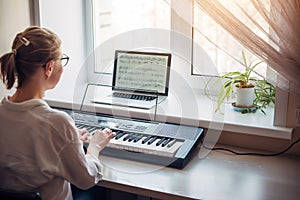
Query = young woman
x=41 y=149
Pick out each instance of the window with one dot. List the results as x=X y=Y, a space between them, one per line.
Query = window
x=221 y=47
x=113 y=20
x=74 y=81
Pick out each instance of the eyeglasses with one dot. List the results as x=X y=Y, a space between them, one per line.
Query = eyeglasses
x=64 y=60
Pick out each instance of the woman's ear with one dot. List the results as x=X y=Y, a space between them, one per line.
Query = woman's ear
x=49 y=68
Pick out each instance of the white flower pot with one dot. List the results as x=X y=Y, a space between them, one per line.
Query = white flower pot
x=245 y=97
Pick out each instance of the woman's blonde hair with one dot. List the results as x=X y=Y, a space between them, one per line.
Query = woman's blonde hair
x=31 y=49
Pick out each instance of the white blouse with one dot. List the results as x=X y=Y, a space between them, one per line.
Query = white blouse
x=41 y=151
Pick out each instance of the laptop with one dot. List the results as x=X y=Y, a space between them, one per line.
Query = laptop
x=140 y=79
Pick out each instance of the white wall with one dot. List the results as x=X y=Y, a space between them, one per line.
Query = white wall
x=14 y=18
x=66 y=18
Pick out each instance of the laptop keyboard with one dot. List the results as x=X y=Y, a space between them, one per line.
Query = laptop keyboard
x=133 y=96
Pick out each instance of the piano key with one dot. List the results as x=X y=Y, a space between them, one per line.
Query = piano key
x=171 y=143
x=166 y=142
x=119 y=135
x=132 y=137
x=126 y=137
x=118 y=132
x=160 y=141
x=80 y=126
x=137 y=138
x=146 y=148
x=146 y=139
x=91 y=129
x=152 y=139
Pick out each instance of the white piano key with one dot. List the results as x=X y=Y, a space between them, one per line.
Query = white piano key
x=145 y=148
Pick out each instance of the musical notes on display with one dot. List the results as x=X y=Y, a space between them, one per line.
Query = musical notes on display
x=142 y=72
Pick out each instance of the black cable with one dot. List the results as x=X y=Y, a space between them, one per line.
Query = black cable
x=251 y=153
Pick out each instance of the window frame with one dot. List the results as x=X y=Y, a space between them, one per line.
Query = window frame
x=185 y=28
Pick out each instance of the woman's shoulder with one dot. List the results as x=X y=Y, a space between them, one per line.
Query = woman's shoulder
x=44 y=110
x=55 y=117
x=61 y=123
x=59 y=116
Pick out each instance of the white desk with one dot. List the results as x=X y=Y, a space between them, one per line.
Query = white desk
x=218 y=176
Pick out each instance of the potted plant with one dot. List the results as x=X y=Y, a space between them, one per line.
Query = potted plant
x=250 y=91
x=264 y=94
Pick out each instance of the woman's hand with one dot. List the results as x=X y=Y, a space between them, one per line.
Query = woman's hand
x=99 y=140
x=85 y=136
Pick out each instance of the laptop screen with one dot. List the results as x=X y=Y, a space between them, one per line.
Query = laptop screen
x=144 y=72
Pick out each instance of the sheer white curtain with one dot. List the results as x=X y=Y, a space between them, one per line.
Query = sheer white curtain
x=220 y=45
x=279 y=45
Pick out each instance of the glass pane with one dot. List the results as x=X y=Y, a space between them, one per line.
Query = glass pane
x=113 y=19
x=222 y=48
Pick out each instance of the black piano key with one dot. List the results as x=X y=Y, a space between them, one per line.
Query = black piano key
x=171 y=143
x=119 y=135
x=137 y=138
x=83 y=127
x=80 y=126
x=133 y=136
x=166 y=142
x=160 y=141
x=152 y=140
x=127 y=137
x=146 y=139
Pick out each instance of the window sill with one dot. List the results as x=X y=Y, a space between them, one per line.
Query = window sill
x=192 y=109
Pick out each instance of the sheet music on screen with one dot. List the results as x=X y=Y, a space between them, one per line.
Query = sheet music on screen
x=141 y=71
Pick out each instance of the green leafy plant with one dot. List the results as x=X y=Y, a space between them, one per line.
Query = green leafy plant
x=264 y=91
